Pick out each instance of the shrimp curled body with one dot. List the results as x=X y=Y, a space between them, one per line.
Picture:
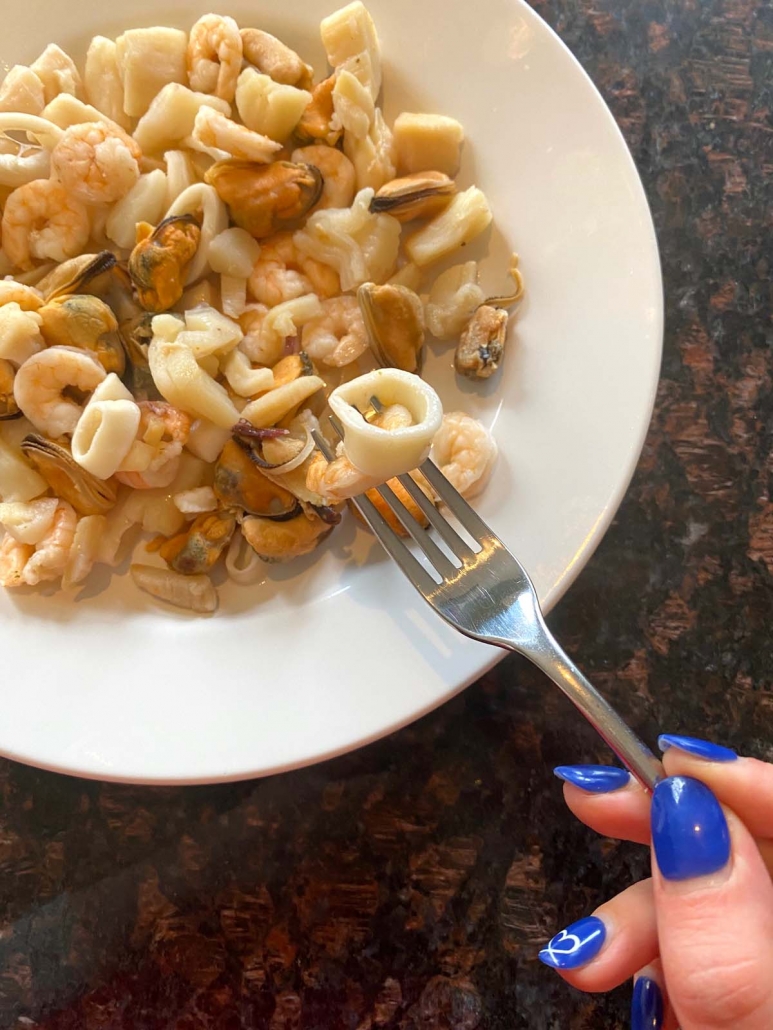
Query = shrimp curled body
x=465 y=452
x=42 y=221
x=215 y=56
x=338 y=336
x=13 y=561
x=51 y=554
x=96 y=163
x=41 y=381
x=282 y=273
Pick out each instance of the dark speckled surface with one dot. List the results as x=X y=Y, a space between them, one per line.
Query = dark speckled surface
x=409 y=885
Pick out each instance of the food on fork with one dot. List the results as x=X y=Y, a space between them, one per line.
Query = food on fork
x=209 y=247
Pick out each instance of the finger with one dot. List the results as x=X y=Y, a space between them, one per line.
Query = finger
x=648 y=1006
x=743 y=784
x=605 y=949
x=607 y=799
x=650 y=1009
x=714 y=905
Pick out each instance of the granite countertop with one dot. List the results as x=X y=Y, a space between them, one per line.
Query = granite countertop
x=409 y=885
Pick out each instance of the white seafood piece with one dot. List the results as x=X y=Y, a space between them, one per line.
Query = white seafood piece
x=377 y=452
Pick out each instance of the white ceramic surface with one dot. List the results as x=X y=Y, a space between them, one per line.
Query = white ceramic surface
x=336 y=651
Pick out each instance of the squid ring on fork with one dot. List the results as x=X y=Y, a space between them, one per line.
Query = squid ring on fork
x=381 y=453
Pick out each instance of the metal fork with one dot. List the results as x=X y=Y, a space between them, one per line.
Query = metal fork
x=486 y=593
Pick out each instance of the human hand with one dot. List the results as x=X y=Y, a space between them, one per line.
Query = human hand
x=698 y=936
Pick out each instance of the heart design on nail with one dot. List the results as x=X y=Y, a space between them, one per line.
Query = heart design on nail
x=575 y=945
x=575 y=942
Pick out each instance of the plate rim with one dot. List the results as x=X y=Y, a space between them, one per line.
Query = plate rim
x=569 y=576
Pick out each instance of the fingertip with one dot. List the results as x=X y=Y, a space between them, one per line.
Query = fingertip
x=690 y=835
x=594 y=779
x=697 y=748
x=621 y=813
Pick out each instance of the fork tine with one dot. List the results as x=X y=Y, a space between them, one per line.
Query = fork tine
x=390 y=540
x=443 y=528
x=322 y=444
x=420 y=578
x=441 y=562
x=456 y=504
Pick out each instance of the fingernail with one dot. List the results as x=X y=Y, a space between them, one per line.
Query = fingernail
x=699 y=748
x=598 y=779
x=647 y=1005
x=689 y=829
x=576 y=945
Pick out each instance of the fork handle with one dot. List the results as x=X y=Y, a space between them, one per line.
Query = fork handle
x=549 y=656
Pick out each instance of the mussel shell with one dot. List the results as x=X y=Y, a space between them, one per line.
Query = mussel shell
x=414 y=196
x=135 y=334
x=239 y=483
x=88 y=273
x=85 y=321
x=394 y=320
x=87 y=494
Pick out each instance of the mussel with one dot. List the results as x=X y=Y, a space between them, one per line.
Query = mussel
x=88 y=273
x=394 y=319
x=8 y=406
x=482 y=343
x=282 y=541
x=292 y=367
x=85 y=321
x=87 y=494
x=199 y=547
x=136 y=333
x=160 y=260
x=241 y=484
x=421 y=195
x=315 y=124
x=266 y=199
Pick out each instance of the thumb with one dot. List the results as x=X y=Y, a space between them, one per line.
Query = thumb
x=714 y=903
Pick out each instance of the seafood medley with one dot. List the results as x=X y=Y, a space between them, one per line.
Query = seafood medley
x=207 y=246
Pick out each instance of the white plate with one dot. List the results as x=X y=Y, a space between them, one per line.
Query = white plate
x=336 y=651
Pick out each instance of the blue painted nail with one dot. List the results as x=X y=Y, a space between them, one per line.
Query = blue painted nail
x=699 y=748
x=689 y=829
x=576 y=945
x=647 y=1005
x=598 y=779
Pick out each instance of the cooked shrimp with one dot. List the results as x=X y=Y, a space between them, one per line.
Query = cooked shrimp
x=96 y=163
x=41 y=381
x=259 y=346
x=215 y=56
x=51 y=554
x=465 y=452
x=154 y=458
x=337 y=172
x=337 y=480
x=43 y=222
x=13 y=560
x=338 y=336
x=282 y=273
x=27 y=297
